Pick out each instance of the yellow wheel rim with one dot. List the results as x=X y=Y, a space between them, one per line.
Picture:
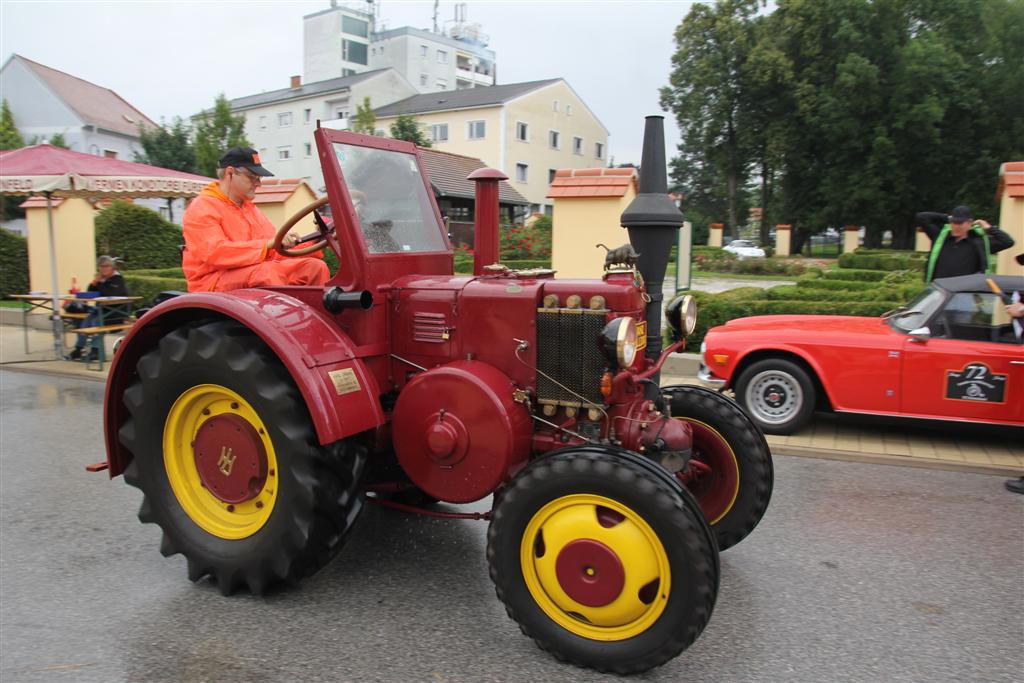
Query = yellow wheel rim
x=557 y=546
x=224 y=519
x=718 y=495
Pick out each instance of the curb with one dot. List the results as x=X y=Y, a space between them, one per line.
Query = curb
x=897 y=460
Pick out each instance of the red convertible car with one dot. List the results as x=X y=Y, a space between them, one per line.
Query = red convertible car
x=952 y=353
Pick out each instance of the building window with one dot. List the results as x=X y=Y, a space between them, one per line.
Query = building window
x=442 y=83
x=341 y=113
x=354 y=27
x=568 y=110
x=423 y=51
x=534 y=208
x=110 y=154
x=599 y=150
x=551 y=175
x=373 y=52
x=522 y=131
x=442 y=57
x=263 y=123
x=549 y=210
x=554 y=106
x=348 y=72
x=423 y=79
x=477 y=130
x=309 y=149
x=521 y=172
x=307 y=115
x=577 y=145
x=351 y=51
x=553 y=139
x=284 y=120
x=439 y=132
x=284 y=153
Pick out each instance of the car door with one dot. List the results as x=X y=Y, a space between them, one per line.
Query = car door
x=972 y=367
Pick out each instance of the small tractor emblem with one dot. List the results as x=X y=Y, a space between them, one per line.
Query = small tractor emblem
x=226 y=461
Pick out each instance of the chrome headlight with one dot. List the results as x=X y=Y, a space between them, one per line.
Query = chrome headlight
x=618 y=340
x=682 y=316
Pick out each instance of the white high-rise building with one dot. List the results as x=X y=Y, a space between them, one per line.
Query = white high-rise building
x=345 y=40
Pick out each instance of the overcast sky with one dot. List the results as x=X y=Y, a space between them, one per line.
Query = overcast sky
x=172 y=58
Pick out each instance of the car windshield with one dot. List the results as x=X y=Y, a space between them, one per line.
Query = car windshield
x=741 y=243
x=390 y=200
x=918 y=311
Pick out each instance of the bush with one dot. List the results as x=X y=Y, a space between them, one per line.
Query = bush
x=854 y=274
x=148 y=286
x=139 y=236
x=836 y=285
x=521 y=242
x=886 y=262
x=13 y=264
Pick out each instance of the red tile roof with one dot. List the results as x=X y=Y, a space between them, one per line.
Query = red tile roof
x=95 y=104
x=593 y=182
x=277 y=190
x=39 y=203
x=1011 y=179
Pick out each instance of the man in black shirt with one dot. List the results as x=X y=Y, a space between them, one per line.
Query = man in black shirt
x=108 y=282
x=960 y=245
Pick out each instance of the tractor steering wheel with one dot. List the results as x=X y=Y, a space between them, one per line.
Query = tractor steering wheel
x=322 y=231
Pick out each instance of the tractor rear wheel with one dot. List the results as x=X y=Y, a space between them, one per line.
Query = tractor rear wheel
x=229 y=464
x=603 y=558
x=731 y=473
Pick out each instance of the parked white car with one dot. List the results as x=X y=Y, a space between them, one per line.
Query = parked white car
x=744 y=249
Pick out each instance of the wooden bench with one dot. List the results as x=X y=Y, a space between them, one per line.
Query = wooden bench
x=101 y=331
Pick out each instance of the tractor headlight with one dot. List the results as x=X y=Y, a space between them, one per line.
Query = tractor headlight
x=682 y=316
x=618 y=340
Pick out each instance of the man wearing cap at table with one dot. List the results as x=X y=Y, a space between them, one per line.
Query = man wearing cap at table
x=229 y=242
x=960 y=244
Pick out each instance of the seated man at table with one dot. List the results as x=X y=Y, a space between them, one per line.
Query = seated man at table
x=229 y=242
x=108 y=282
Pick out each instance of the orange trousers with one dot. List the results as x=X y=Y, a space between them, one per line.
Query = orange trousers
x=293 y=271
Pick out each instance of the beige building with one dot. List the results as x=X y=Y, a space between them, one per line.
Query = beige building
x=1011 y=215
x=528 y=130
x=73 y=231
x=588 y=204
x=281 y=198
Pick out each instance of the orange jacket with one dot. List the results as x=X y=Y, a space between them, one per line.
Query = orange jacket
x=220 y=235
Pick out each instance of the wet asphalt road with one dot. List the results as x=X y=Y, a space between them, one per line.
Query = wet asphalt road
x=857 y=573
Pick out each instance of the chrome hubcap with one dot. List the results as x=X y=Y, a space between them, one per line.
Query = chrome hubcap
x=774 y=397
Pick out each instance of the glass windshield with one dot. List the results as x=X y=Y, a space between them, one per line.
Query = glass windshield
x=390 y=199
x=918 y=311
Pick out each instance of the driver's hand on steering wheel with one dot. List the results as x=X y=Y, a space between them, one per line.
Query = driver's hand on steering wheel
x=289 y=241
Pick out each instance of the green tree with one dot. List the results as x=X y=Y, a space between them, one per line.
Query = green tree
x=13 y=263
x=216 y=132
x=10 y=138
x=407 y=128
x=364 y=121
x=57 y=140
x=167 y=147
x=705 y=93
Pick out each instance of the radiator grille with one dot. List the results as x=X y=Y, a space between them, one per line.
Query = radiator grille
x=568 y=351
x=429 y=327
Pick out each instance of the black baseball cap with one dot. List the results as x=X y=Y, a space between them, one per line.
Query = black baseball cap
x=961 y=214
x=245 y=157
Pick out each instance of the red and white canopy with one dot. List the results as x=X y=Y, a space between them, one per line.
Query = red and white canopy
x=40 y=169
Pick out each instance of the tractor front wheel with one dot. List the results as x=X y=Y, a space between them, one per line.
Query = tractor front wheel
x=229 y=464
x=603 y=559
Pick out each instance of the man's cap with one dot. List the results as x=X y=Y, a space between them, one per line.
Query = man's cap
x=961 y=214
x=246 y=157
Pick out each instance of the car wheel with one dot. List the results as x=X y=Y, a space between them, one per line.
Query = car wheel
x=731 y=473
x=778 y=394
x=229 y=464
x=603 y=559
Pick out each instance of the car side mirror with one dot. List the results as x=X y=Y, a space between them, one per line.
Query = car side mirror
x=921 y=334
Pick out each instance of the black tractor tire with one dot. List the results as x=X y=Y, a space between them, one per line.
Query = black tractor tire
x=650 y=497
x=734 y=494
x=319 y=494
x=777 y=394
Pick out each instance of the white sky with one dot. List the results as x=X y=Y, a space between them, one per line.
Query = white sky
x=172 y=58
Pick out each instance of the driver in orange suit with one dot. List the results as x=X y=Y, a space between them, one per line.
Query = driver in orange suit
x=229 y=242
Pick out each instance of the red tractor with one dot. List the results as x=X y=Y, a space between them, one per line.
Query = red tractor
x=257 y=422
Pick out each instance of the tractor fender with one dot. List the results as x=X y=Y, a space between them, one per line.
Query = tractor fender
x=341 y=394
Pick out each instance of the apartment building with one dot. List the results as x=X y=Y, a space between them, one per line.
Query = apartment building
x=280 y=123
x=344 y=40
x=527 y=130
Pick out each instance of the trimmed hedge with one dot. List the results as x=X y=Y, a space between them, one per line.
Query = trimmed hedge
x=13 y=263
x=854 y=274
x=836 y=285
x=139 y=236
x=148 y=286
x=884 y=262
